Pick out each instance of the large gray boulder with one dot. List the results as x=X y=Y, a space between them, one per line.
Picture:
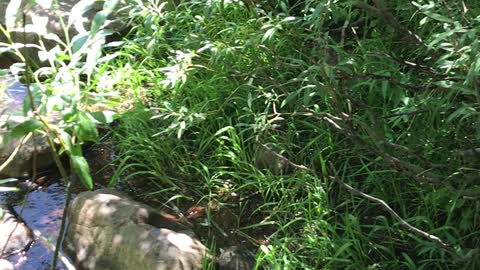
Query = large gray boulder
x=43 y=19
x=11 y=101
x=108 y=230
x=22 y=164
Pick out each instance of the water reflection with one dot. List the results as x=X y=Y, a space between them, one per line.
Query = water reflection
x=12 y=95
x=42 y=212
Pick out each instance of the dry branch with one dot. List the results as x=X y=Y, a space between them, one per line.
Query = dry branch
x=15 y=152
x=380 y=11
x=401 y=221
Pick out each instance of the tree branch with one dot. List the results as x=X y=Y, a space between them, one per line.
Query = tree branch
x=401 y=221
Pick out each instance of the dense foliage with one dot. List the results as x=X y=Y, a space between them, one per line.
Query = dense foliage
x=384 y=92
x=282 y=111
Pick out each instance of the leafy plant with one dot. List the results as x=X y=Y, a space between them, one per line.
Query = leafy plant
x=66 y=82
x=383 y=91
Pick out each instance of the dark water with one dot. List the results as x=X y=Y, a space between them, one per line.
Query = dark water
x=42 y=212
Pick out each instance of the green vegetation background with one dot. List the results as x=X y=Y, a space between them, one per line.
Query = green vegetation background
x=273 y=115
x=384 y=92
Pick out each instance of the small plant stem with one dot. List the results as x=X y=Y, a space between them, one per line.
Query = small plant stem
x=50 y=246
x=62 y=225
x=57 y=160
x=15 y=152
x=27 y=65
x=68 y=196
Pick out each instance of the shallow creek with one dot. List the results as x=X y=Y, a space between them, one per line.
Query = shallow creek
x=43 y=207
x=42 y=213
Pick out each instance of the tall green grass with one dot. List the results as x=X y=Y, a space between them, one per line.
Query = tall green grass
x=321 y=82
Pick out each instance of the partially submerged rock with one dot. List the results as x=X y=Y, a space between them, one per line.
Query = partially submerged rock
x=108 y=230
x=15 y=236
x=42 y=19
x=6 y=265
x=11 y=114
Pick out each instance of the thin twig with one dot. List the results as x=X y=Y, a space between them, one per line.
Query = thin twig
x=405 y=113
x=66 y=262
x=289 y=162
x=402 y=222
x=15 y=152
x=62 y=225
x=25 y=198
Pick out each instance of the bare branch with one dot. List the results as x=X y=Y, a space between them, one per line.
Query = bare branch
x=401 y=221
x=389 y=19
x=15 y=152
x=284 y=159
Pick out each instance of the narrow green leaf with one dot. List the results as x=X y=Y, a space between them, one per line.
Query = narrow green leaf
x=79 y=42
x=86 y=128
x=26 y=127
x=67 y=141
x=97 y=23
x=109 y=6
x=463 y=111
x=11 y=13
x=94 y=53
x=104 y=117
x=268 y=34
x=9 y=189
x=438 y=17
x=224 y=129
x=8 y=180
x=82 y=170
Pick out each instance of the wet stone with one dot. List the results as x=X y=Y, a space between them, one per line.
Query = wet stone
x=15 y=236
x=108 y=230
x=236 y=258
x=11 y=114
x=6 y=265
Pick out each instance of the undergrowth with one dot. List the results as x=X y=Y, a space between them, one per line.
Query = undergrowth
x=261 y=111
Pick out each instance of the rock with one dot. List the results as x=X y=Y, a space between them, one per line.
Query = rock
x=108 y=230
x=42 y=18
x=6 y=265
x=19 y=240
x=236 y=258
x=268 y=157
x=21 y=166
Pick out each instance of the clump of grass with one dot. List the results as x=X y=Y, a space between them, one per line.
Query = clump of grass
x=345 y=84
